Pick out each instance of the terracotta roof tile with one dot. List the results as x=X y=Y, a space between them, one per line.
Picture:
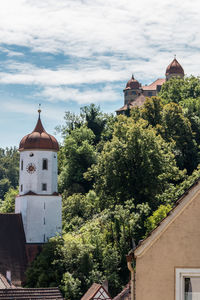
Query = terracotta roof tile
x=125 y=294
x=174 y=68
x=39 y=139
x=91 y=291
x=31 y=294
x=153 y=85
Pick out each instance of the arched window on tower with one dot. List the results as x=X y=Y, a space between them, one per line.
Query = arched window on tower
x=45 y=164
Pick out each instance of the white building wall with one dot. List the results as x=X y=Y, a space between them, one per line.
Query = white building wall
x=33 y=181
x=41 y=216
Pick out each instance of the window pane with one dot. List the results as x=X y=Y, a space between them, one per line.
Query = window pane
x=192 y=288
x=45 y=164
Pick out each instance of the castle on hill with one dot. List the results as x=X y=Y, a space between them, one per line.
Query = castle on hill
x=135 y=94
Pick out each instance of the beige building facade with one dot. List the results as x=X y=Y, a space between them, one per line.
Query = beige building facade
x=168 y=261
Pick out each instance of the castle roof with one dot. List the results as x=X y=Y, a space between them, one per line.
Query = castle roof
x=132 y=84
x=174 y=68
x=153 y=85
x=39 y=139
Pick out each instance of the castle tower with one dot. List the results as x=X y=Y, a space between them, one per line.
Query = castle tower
x=132 y=90
x=38 y=200
x=174 y=70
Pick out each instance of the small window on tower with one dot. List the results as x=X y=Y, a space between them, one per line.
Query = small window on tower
x=44 y=186
x=45 y=164
x=31 y=154
x=22 y=164
x=21 y=187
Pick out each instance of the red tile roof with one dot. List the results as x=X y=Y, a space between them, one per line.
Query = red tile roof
x=12 y=247
x=132 y=84
x=39 y=139
x=153 y=85
x=174 y=68
x=125 y=294
x=31 y=294
x=93 y=290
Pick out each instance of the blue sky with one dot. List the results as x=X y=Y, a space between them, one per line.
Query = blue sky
x=69 y=53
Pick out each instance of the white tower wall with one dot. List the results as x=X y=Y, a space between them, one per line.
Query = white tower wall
x=32 y=181
x=41 y=216
x=41 y=208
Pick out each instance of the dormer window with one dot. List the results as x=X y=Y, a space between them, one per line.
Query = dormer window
x=45 y=164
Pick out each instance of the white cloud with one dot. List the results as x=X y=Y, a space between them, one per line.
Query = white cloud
x=107 y=41
x=65 y=94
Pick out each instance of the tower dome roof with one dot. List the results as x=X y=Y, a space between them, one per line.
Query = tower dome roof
x=174 y=68
x=132 y=84
x=39 y=139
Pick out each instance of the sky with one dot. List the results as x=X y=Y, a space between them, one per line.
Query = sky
x=66 y=54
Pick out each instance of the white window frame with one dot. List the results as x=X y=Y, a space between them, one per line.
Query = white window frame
x=181 y=273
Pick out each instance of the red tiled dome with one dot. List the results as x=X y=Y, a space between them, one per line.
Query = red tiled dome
x=39 y=139
x=174 y=68
x=132 y=84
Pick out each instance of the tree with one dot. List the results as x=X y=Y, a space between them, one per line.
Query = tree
x=95 y=120
x=9 y=169
x=137 y=163
x=158 y=215
x=177 y=128
x=8 y=205
x=78 y=154
x=179 y=89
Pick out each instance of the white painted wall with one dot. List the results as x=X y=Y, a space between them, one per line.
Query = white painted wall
x=33 y=181
x=41 y=216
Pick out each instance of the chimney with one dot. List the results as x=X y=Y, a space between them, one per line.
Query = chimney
x=105 y=284
x=8 y=276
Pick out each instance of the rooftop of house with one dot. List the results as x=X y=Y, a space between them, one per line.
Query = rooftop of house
x=31 y=294
x=12 y=250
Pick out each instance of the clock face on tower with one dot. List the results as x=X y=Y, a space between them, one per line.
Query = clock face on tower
x=31 y=168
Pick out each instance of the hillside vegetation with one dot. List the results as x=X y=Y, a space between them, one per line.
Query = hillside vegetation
x=118 y=176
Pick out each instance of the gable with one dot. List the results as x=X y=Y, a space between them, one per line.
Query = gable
x=101 y=294
x=190 y=196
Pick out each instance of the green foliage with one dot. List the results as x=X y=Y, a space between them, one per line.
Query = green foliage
x=119 y=177
x=47 y=269
x=179 y=89
x=78 y=153
x=157 y=217
x=137 y=163
x=9 y=169
x=77 y=208
x=8 y=205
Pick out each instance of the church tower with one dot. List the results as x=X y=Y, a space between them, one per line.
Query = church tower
x=38 y=200
x=132 y=90
x=174 y=70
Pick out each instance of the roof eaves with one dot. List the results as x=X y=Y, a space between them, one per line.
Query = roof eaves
x=155 y=233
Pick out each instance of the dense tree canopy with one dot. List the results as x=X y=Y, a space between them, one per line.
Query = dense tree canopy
x=119 y=176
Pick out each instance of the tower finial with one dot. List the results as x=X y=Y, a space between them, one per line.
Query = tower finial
x=133 y=76
x=174 y=56
x=39 y=109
